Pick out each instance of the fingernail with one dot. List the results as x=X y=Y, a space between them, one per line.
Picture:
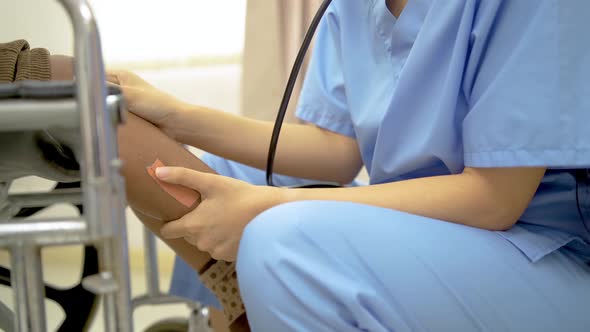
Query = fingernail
x=162 y=172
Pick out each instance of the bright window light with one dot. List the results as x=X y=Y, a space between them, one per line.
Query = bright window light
x=170 y=32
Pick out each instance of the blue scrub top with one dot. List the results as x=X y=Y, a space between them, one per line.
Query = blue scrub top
x=464 y=83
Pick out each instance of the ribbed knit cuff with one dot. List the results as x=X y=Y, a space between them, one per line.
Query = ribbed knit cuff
x=9 y=53
x=33 y=65
x=18 y=62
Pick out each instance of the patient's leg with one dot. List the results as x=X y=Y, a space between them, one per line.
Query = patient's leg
x=140 y=144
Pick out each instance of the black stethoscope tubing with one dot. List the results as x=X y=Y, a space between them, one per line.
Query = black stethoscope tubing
x=289 y=91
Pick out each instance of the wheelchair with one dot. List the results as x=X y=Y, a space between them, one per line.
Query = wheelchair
x=94 y=111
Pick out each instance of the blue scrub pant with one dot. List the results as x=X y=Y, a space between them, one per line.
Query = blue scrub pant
x=334 y=266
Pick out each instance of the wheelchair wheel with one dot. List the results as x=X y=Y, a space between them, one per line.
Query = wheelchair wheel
x=169 y=325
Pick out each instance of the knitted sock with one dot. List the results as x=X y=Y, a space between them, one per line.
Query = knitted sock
x=19 y=62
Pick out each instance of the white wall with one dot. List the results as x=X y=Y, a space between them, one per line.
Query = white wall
x=42 y=22
x=134 y=30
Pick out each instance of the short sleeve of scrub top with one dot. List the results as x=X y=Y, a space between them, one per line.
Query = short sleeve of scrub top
x=528 y=97
x=526 y=83
x=323 y=96
x=454 y=84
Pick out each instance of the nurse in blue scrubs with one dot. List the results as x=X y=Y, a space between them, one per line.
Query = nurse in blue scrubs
x=472 y=118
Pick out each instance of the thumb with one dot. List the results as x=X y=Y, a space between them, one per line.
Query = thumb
x=124 y=77
x=199 y=181
x=113 y=76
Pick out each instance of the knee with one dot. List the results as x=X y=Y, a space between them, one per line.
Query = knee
x=278 y=231
x=269 y=256
x=264 y=235
x=268 y=240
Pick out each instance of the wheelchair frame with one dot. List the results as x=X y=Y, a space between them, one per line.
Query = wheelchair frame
x=102 y=223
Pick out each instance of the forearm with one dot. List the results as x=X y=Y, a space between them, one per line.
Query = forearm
x=304 y=151
x=465 y=198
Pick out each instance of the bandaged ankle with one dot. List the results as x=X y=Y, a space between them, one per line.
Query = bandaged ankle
x=221 y=278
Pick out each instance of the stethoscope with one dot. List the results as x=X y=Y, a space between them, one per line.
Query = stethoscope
x=582 y=176
x=287 y=96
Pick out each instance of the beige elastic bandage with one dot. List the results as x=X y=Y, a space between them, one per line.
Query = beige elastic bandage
x=221 y=278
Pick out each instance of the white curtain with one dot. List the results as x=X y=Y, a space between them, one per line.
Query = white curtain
x=274 y=32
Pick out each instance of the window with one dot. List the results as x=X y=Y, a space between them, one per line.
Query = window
x=149 y=33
